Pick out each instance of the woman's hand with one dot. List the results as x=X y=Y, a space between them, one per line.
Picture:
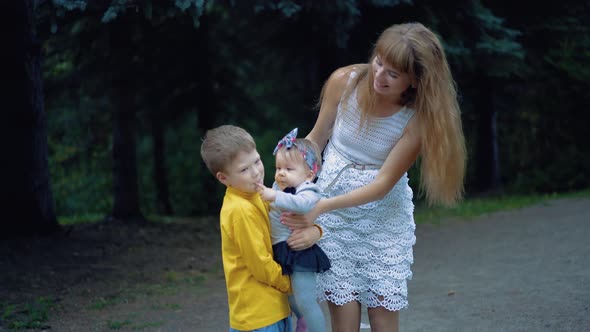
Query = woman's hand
x=300 y=221
x=301 y=239
x=304 y=233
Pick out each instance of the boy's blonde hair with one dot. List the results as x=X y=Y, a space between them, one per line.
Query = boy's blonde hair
x=222 y=144
x=300 y=147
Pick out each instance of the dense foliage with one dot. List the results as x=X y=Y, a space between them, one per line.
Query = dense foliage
x=180 y=67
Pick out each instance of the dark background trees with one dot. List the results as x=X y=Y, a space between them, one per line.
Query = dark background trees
x=131 y=86
x=26 y=194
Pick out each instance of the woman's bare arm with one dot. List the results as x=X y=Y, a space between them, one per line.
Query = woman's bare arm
x=399 y=160
x=332 y=94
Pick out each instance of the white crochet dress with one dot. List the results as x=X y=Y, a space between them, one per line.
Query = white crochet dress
x=369 y=246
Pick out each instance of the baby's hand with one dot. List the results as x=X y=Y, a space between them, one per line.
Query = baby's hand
x=267 y=194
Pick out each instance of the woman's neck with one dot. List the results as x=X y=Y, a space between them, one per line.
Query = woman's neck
x=386 y=106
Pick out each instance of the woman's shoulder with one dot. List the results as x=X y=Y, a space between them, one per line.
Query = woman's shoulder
x=343 y=74
x=340 y=78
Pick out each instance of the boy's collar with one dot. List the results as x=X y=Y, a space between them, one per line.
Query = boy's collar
x=240 y=193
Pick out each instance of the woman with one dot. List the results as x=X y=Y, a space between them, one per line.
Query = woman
x=375 y=120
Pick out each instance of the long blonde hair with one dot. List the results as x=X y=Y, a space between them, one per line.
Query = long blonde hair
x=414 y=49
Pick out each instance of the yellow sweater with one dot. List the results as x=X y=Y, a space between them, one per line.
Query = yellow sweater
x=256 y=288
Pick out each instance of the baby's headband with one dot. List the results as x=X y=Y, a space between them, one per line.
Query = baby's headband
x=308 y=154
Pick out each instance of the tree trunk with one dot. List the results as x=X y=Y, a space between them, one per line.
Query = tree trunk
x=207 y=109
x=125 y=184
x=125 y=175
x=160 y=177
x=26 y=191
x=208 y=114
x=487 y=161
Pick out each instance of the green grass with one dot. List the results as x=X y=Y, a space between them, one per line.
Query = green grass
x=104 y=302
x=166 y=306
x=127 y=324
x=26 y=316
x=469 y=208
x=87 y=218
x=173 y=219
x=577 y=194
x=117 y=325
x=475 y=207
x=141 y=326
x=172 y=283
x=80 y=219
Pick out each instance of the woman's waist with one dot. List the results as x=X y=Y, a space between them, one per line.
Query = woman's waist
x=346 y=160
x=337 y=165
x=345 y=174
x=357 y=155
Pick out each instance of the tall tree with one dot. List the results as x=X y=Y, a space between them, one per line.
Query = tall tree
x=27 y=199
x=130 y=45
x=499 y=51
x=486 y=55
x=546 y=152
x=122 y=93
x=163 y=205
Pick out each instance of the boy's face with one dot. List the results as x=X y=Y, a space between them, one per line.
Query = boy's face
x=244 y=172
x=290 y=173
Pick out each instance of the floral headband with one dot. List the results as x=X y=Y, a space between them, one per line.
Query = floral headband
x=308 y=154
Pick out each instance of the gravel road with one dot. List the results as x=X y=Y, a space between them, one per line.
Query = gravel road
x=519 y=270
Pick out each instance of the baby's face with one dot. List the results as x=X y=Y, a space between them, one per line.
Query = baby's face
x=290 y=173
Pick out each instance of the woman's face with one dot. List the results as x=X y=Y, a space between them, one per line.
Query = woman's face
x=388 y=81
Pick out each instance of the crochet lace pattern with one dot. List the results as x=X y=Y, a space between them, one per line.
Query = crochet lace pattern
x=369 y=246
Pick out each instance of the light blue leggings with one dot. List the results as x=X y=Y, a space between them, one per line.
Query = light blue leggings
x=304 y=301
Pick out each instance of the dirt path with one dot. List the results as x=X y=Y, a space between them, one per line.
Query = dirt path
x=521 y=270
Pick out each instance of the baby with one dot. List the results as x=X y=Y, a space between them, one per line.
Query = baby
x=297 y=163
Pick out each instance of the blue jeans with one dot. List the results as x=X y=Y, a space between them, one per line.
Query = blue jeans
x=284 y=325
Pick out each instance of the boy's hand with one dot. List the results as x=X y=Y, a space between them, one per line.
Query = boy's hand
x=267 y=194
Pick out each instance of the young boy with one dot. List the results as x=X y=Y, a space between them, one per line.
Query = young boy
x=256 y=287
